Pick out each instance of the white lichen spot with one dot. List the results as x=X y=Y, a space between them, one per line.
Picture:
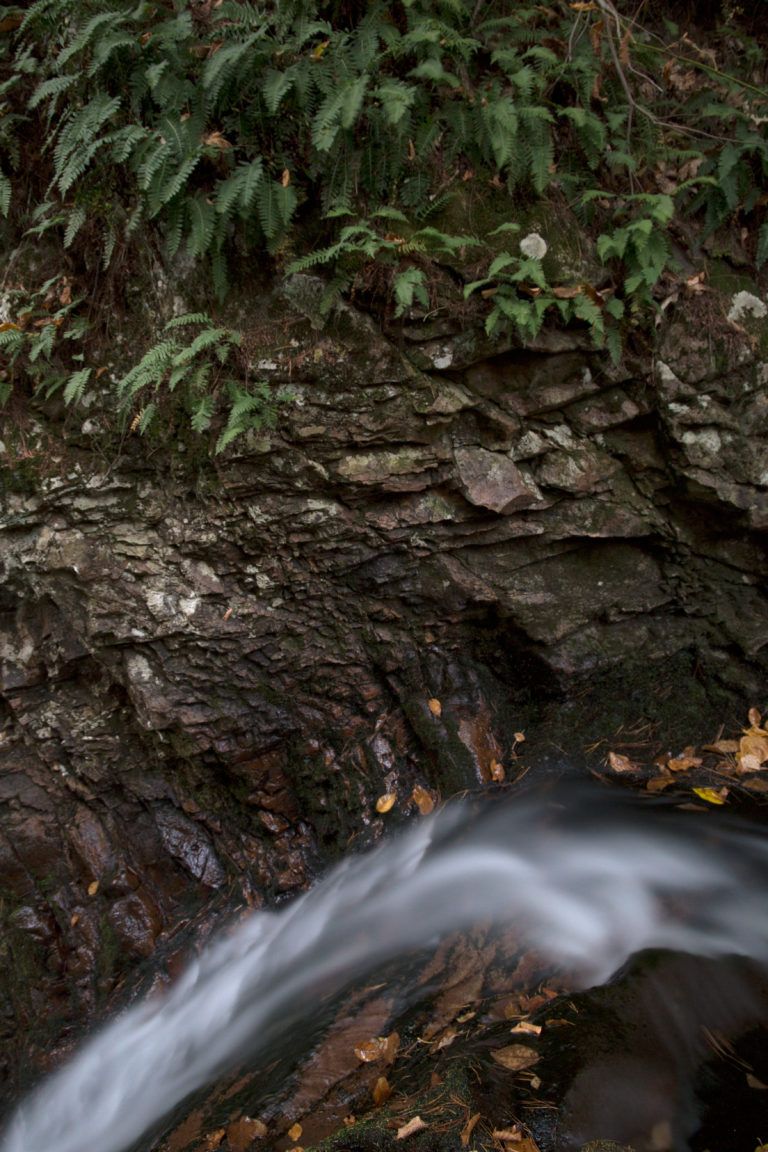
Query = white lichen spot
x=189 y=604
x=746 y=303
x=266 y=365
x=533 y=246
x=705 y=440
x=443 y=359
x=666 y=375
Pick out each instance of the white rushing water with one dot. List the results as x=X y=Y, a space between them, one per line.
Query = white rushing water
x=588 y=884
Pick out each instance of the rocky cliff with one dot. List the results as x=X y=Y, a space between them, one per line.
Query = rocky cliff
x=210 y=672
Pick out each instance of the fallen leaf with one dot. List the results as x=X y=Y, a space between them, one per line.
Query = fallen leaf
x=658 y=784
x=528 y=1027
x=515 y=1138
x=74 y=920
x=216 y=140
x=382 y=1091
x=754 y=717
x=422 y=799
x=722 y=747
x=385 y=802
x=753 y=746
x=435 y=707
x=213 y=1139
x=370 y=1050
x=497 y=771
x=93 y=888
x=566 y=293
x=519 y=737
x=683 y=762
x=349 y=1121
x=620 y=763
x=295 y=1132
x=414 y=1125
x=242 y=1133
x=515 y=1057
x=711 y=795
x=468 y=1129
x=391 y=1045
x=753 y=1082
x=285 y=179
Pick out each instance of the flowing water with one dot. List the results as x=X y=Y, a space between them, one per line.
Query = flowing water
x=587 y=882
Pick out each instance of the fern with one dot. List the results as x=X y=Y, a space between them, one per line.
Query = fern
x=75 y=386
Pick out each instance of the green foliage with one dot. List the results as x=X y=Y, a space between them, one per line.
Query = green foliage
x=43 y=340
x=241 y=128
x=200 y=372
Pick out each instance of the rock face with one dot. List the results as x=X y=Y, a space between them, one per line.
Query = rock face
x=209 y=673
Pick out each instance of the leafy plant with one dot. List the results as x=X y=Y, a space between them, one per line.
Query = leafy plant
x=198 y=370
x=42 y=341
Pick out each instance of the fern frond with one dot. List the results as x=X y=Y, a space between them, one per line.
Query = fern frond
x=77 y=218
x=187 y=319
x=75 y=386
x=5 y=194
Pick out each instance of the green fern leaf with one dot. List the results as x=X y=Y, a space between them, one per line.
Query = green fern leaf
x=187 y=319
x=75 y=386
x=5 y=194
x=202 y=216
x=240 y=188
x=76 y=221
x=51 y=88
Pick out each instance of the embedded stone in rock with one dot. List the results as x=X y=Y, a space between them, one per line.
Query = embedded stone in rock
x=190 y=844
x=493 y=481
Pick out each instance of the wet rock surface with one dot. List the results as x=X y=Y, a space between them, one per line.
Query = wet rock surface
x=210 y=672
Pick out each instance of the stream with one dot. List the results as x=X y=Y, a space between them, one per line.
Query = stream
x=587 y=879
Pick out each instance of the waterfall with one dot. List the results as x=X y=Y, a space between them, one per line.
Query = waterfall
x=587 y=881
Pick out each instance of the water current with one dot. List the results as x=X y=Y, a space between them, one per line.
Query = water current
x=586 y=881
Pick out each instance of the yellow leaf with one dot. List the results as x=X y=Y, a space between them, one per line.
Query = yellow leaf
x=93 y=888
x=385 y=802
x=435 y=707
x=414 y=1125
x=711 y=796
x=515 y=1057
x=285 y=179
x=74 y=920
x=381 y=1091
x=422 y=799
x=295 y=1132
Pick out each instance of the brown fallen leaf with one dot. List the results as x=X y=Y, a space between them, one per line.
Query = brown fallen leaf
x=722 y=747
x=435 y=707
x=382 y=1090
x=242 y=1133
x=385 y=802
x=620 y=763
x=754 y=718
x=515 y=1057
x=294 y=1133
x=497 y=771
x=213 y=1139
x=753 y=1082
x=515 y=1138
x=414 y=1125
x=370 y=1050
x=468 y=1129
x=528 y=1027
x=658 y=783
x=93 y=888
x=422 y=799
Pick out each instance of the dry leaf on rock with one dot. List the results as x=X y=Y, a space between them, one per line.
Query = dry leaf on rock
x=414 y=1125
x=295 y=1132
x=422 y=799
x=658 y=784
x=242 y=1133
x=435 y=707
x=468 y=1129
x=515 y=1057
x=754 y=718
x=620 y=763
x=382 y=1090
x=722 y=747
x=213 y=1139
x=378 y=1048
x=527 y=1026
x=515 y=1139
x=385 y=802
x=712 y=795
x=687 y=759
x=93 y=888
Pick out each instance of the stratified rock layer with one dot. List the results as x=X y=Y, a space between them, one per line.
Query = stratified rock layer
x=210 y=672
